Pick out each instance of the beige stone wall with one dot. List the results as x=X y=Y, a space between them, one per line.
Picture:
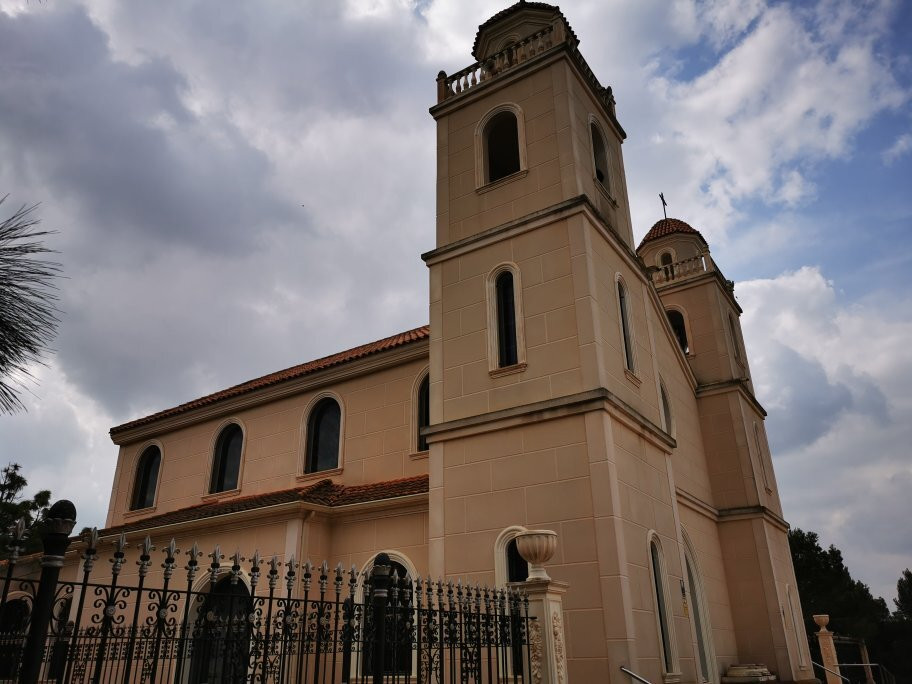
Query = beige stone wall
x=378 y=421
x=556 y=109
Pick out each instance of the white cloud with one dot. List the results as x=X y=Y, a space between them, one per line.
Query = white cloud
x=900 y=148
x=842 y=429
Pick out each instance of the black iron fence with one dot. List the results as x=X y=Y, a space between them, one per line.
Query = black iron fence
x=250 y=620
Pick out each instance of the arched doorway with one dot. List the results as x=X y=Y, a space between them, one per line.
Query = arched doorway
x=397 y=650
x=14 y=619
x=221 y=634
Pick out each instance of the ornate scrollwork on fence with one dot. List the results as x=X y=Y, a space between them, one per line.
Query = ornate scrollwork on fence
x=137 y=618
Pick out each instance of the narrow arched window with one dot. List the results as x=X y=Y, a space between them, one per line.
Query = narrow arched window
x=506 y=320
x=700 y=619
x=666 y=408
x=599 y=154
x=146 y=479
x=323 y=436
x=226 y=467
x=736 y=341
x=662 y=612
x=424 y=411
x=501 y=138
x=623 y=309
x=676 y=318
x=667 y=263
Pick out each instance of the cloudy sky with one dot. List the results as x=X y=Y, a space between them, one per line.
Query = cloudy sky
x=239 y=187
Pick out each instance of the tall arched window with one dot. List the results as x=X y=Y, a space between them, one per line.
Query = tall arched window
x=666 y=408
x=701 y=625
x=623 y=310
x=323 y=436
x=501 y=142
x=226 y=467
x=506 y=320
x=146 y=478
x=736 y=341
x=676 y=318
x=424 y=411
x=599 y=155
x=663 y=611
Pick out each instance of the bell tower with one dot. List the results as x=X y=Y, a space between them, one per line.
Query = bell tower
x=563 y=397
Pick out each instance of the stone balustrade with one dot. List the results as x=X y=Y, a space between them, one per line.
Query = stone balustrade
x=682 y=269
x=498 y=63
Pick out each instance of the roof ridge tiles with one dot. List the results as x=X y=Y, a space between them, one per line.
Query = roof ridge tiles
x=290 y=373
x=324 y=492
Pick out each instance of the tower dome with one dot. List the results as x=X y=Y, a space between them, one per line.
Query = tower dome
x=669 y=226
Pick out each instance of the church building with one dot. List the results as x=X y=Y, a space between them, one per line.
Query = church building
x=568 y=380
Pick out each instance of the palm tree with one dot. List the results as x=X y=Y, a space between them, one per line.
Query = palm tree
x=28 y=302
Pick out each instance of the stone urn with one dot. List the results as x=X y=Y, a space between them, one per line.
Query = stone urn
x=537 y=547
x=822 y=621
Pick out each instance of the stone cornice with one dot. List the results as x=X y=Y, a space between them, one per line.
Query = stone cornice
x=736 y=385
x=350 y=369
x=599 y=399
x=752 y=513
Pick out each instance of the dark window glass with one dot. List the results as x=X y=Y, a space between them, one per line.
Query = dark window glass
x=600 y=155
x=323 y=436
x=676 y=318
x=660 y=603
x=506 y=320
x=666 y=409
x=424 y=411
x=625 y=326
x=146 y=478
x=502 y=141
x=227 y=465
x=517 y=567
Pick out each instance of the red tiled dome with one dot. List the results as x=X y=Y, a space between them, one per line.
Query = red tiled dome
x=668 y=226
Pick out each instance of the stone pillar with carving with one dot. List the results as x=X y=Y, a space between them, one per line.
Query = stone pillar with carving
x=546 y=638
x=828 y=650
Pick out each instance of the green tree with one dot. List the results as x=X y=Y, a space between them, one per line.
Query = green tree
x=826 y=586
x=28 y=303
x=903 y=598
x=14 y=506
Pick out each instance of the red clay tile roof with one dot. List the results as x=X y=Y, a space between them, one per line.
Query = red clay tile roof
x=668 y=226
x=323 y=493
x=385 y=344
x=515 y=8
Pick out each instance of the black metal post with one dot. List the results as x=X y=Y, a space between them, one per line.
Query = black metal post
x=380 y=585
x=61 y=519
x=348 y=614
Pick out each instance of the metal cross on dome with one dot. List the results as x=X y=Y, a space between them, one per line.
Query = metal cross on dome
x=664 y=204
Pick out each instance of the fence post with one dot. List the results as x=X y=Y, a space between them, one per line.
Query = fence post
x=379 y=585
x=61 y=519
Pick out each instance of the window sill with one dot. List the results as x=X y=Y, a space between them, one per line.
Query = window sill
x=318 y=475
x=419 y=455
x=218 y=496
x=516 y=175
x=632 y=377
x=136 y=512
x=508 y=370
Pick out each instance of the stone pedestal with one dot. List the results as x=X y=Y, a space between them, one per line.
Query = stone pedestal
x=546 y=633
x=828 y=650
